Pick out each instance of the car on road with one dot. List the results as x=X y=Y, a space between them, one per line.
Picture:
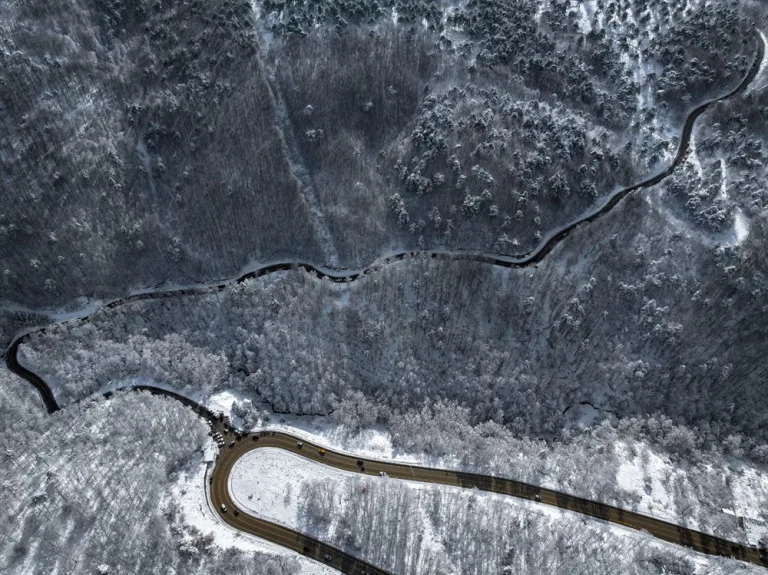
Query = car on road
x=327 y=557
x=299 y=444
x=359 y=462
x=223 y=508
x=383 y=474
x=321 y=451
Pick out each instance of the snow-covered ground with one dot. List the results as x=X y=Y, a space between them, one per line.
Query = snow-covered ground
x=266 y=483
x=649 y=476
x=276 y=485
x=652 y=480
x=190 y=495
x=746 y=504
x=761 y=80
x=656 y=479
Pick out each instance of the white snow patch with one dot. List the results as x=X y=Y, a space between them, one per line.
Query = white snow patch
x=191 y=497
x=583 y=416
x=723 y=180
x=584 y=19
x=738 y=232
x=647 y=475
x=266 y=483
x=693 y=157
x=740 y=227
x=763 y=64
x=223 y=401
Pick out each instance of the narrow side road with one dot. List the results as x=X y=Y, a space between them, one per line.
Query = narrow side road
x=548 y=243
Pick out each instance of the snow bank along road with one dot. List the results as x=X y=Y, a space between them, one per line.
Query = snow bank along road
x=348 y=563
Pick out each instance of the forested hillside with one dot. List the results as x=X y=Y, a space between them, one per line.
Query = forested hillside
x=418 y=531
x=644 y=317
x=162 y=143
x=88 y=491
x=140 y=145
x=485 y=125
x=657 y=318
x=146 y=142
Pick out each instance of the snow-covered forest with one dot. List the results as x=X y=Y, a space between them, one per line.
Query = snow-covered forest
x=465 y=360
x=88 y=491
x=412 y=528
x=486 y=124
x=172 y=142
x=132 y=155
x=434 y=531
x=125 y=157
x=518 y=347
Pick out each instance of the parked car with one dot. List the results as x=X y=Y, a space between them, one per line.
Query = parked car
x=383 y=474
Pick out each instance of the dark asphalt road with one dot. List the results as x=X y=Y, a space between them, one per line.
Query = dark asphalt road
x=664 y=530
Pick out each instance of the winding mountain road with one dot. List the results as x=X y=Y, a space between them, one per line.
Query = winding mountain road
x=239 y=519
x=345 y=562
